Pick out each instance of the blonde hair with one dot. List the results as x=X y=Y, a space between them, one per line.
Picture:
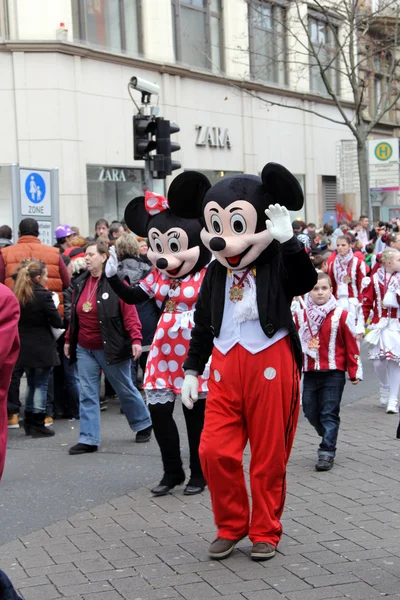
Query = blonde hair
x=78 y=265
x=389 y=254
x=127 y=245
x=29 y=269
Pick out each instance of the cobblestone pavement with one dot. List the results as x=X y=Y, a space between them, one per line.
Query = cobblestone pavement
x=342 y=535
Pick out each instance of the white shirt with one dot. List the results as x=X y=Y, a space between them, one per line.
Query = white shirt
x=248 y=334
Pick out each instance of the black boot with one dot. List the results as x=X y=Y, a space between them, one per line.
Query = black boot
x=167 y=436
x=27 y=422
x=194 y=424
x=38 y=428
x=398 y=432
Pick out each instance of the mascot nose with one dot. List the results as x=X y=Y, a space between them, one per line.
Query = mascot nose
x=217 y=244
x=162 y=263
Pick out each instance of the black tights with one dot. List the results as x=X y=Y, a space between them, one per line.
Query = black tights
x=167 y=436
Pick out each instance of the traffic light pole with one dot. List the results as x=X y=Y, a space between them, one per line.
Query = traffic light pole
x=148 y=175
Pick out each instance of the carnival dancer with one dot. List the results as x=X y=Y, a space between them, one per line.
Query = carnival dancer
x=243 y=319
x=328 y=341
x=180 y=260
x=381 y=303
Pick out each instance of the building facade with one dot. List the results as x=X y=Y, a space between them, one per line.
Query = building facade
x=65 y=66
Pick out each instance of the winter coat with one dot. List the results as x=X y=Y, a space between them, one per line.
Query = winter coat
x=38 y=346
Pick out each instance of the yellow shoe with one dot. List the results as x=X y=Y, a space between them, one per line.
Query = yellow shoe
x=13 y=422
x=48 y=422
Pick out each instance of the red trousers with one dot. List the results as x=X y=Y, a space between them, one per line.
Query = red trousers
x=255 y=398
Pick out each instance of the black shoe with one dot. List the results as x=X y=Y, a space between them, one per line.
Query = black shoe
x=82 y=449
x=194 y=486
x=144 y=435
x=166 y=485
x=398 y=432
x=325 y=463
x=38 y=428
x=27 y=422
x=104 y=404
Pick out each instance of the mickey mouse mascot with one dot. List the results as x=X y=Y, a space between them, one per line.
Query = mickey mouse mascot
x=180 y=258
x=243 y=319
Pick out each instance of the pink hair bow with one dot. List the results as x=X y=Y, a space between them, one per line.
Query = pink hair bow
x=155 y=203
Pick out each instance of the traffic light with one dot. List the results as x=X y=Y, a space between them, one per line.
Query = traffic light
x=155 y=134
x=164 y=148
x=144 y=127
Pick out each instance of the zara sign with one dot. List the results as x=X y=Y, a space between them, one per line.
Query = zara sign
x=215 y=137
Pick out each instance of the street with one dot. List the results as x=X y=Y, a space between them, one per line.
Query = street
x=87 y=528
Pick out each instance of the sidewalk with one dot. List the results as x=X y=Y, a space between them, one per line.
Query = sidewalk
x=342 y=535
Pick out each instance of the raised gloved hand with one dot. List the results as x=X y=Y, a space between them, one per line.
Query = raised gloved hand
x=278 y=223
x=112 y=263
x=190 y=389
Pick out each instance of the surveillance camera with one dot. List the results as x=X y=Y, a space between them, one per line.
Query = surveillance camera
x=144 y=86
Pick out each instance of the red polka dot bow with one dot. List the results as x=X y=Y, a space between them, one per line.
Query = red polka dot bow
x=155 y=203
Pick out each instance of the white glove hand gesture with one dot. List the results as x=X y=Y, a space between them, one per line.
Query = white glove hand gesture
x=278 y=223
x=112 y=263
x=190 y=390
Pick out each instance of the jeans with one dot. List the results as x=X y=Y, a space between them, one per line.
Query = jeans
x=7 y=590
x=36 y=393
x=90 y=365
x=322 y=394
x=13 y=401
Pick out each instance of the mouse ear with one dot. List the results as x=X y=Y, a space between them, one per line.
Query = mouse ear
x=282 y=186
x=186 y=194
x=136 y=216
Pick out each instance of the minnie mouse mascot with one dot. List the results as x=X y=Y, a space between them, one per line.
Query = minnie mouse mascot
x=243 y=320
x=180 y=261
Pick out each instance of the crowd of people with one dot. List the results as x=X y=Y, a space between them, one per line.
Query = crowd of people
x=165 y=295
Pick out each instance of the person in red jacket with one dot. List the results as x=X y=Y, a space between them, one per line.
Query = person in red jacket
x=329 y=345
x=9 y=350
x=381 y=304
x=347 y=273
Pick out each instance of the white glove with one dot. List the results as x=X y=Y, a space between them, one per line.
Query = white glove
x=56 y=299
x=112 y=263
x=190 y=390
x=278 y=223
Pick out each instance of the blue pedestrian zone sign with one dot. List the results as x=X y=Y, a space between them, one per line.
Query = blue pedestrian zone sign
x=35 y=188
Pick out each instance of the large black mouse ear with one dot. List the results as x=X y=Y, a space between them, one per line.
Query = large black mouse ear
x=186 y=194
x=136 y=216
x=282 y=186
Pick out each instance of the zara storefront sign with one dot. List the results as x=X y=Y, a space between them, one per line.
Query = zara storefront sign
x=112 y=175
x=215 y=137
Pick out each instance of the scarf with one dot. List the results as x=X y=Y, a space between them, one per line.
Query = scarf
x=314 y=319
x=391 y=285
x=342 y=265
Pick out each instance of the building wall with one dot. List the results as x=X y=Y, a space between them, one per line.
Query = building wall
x=67 y=112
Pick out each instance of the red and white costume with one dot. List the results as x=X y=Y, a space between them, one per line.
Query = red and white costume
x=381 y=303
x=384 y=336
x=337 y=345
x=171 y=341
x=347 y=274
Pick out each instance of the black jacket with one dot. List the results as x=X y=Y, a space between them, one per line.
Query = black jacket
x=288 y=273
x=38 y=346
x=117 y=343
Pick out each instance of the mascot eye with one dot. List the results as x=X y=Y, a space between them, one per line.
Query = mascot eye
x=238 y=224
x=174 y=245
x=216 y=224
x=158 y=245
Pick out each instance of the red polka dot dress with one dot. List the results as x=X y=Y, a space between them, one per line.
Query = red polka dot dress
x=171 y=340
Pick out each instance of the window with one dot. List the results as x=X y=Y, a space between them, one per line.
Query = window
x=324 y=41
x=329 y=192
x=113 y=24
x=198 y=33
x=384 y=89
x=267 y=42
x=4 y=33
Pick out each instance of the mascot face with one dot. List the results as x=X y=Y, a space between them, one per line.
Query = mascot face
x=175 y=246
x=170 y=251
x=230 y=233
x=233 y=211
